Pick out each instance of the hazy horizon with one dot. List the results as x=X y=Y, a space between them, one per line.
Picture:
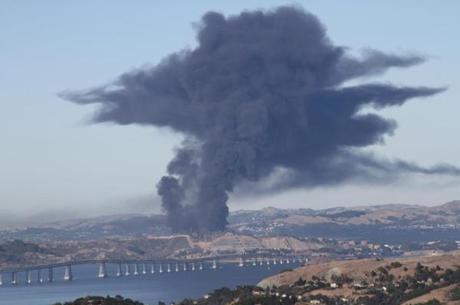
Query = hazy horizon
x=12 y=220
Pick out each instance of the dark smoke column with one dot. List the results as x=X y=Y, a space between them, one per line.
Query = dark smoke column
x=261 y=93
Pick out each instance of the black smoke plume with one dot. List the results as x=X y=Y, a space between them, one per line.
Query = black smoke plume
x=261 y=91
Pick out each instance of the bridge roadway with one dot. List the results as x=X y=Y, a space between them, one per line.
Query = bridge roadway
x=111 y=261
x=169 y=265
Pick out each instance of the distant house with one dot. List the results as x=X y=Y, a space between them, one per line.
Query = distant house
x=359 y=286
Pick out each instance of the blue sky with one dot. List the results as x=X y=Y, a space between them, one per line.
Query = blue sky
x=52 y=160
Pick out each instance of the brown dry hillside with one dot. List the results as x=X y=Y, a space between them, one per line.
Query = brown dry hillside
x=393 y=214
x=361 y=269
x=441 y=294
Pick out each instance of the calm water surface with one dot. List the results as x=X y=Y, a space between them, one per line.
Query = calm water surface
x=149 y=288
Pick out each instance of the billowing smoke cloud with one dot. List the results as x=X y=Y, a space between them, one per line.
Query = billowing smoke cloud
x=262 y=91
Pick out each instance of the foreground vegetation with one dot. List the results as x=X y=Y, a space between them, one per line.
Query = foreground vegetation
x=384 y=289
x=117 y=300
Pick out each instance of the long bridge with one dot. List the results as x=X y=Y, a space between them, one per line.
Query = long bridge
x=46 y=272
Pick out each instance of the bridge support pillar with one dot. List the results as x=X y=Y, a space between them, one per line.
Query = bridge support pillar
x=136 y=271
x=14 y=278
x=1 y=279
x=102 y=271
x=152 y=268
x=50 y=275
x=68 y=276
x=127 y=270
x=39 y=276
x=119 y=272
x=28 y=277
x=144 y=269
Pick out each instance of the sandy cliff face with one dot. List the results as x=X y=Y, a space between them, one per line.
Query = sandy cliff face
x=232 y=242
x=290 y=243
